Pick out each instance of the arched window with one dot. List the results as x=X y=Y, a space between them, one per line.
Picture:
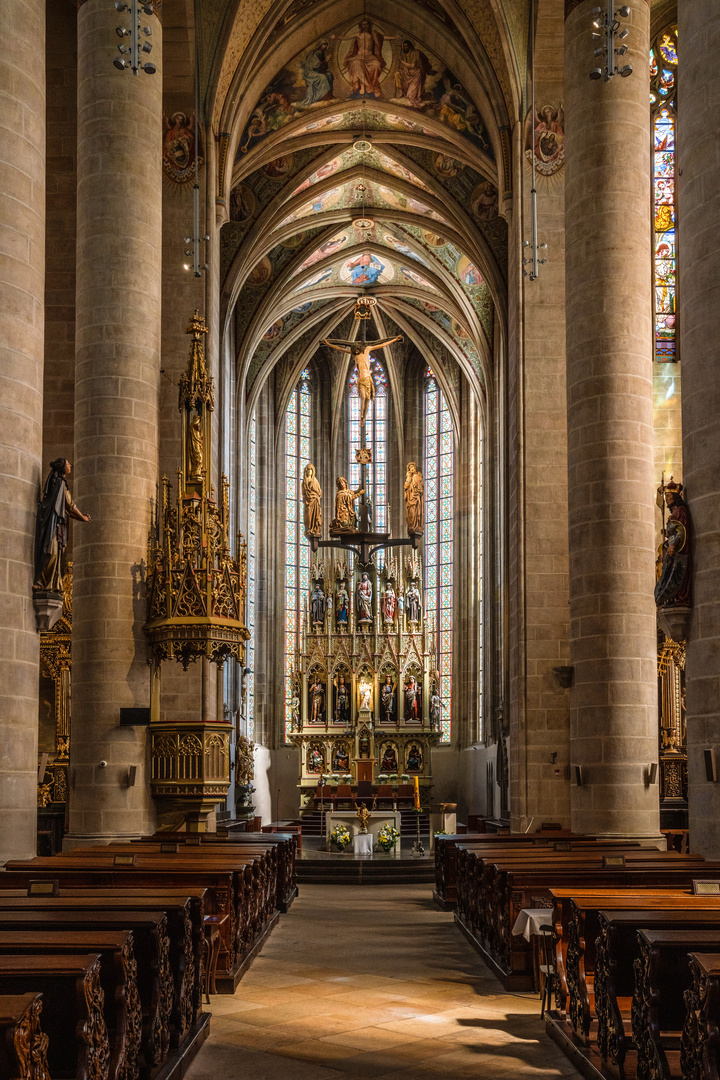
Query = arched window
x=251 y=576
x=439 y=536
x=376 y=436
x=297 y=549
x=663 y=90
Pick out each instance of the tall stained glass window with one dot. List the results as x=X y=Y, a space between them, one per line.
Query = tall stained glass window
x=251 y=576
x=297 y=549
x=663 y=89
x=376 y=436
x=439 y=536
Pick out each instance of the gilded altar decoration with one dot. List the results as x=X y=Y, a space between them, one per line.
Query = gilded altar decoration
x=414 y=500
x=54 y=704
x=195 y=587
x=195 y=603
x=345 y=519
x=312 y=496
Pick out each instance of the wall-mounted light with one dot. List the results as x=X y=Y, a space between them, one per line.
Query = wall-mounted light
x=579 y=779
x=606 y=29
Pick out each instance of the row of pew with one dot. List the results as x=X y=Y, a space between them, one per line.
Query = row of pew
x=634 y=948
x=107 y=952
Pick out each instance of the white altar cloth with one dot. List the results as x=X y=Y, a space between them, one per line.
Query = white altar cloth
x=363 y=843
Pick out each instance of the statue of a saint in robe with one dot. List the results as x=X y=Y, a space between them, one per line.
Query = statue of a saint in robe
x=51 y=528
x=312 y=494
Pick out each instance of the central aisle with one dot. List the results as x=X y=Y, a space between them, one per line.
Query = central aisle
x=373 y=982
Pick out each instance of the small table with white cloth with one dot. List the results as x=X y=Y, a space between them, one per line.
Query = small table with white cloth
x=363 y=843
x=528 y=925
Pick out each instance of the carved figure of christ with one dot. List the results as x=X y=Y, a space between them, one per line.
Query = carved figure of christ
x=360 y=351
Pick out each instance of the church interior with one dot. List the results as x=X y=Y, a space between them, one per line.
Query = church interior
x=360 y=605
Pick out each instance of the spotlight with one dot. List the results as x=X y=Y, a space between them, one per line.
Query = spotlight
x=624 y=11
x=623 y=34
x=625 y=71
x=120 y=64
x=596 y=73
x=123 y=49
x=146 y=47
x=149 y=69
x=121 y=31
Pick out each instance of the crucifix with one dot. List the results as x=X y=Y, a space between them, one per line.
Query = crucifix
x=360 y=351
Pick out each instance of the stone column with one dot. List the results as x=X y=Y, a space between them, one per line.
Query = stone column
x=119 y=247
x=22 y=269
x=699 y=299
x=613 y=703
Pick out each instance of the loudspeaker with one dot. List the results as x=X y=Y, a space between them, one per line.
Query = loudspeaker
x=652 y=773
x=710 y=766
x=578 y=775
x=41 y=767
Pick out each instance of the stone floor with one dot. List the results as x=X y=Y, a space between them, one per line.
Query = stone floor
x=373 y=983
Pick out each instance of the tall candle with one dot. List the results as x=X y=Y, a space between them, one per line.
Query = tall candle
x=416 y=782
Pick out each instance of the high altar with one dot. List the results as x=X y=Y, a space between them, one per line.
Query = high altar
x=365 y=705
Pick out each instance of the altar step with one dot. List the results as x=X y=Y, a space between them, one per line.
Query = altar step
x=347 y=870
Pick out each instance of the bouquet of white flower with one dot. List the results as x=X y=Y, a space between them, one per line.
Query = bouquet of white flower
x=388 y=837
x=341 y=837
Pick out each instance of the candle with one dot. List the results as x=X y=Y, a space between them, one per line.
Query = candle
x=416 y=782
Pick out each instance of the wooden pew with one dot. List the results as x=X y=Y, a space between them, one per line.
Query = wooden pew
x=662 y=979
x=74 y=1015
x=23 y=1043
x=118 y=979
x=490 y=898
x=700 y=1044
x=236 y=886
x=617 y=948
x=154 y=977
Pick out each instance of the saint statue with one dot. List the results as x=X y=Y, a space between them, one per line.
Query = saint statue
x=315 y=762
x=342 y=607
x=341 y=760
x=195 y=449
x=412 y=699
x=345 y=519
x=363 y=600
x=317 y=604
x=435 y=709
x=414 y=759
x=312 y=494
x=364 y=815
x=317 y=701
x=389 y=760
x=342 y=701
x=414 y=499
x=360 y=352
x=387 y=701
x=389 y=603
x=673 y=587
x=366 y=694
x=412 y=603
x=51 y=528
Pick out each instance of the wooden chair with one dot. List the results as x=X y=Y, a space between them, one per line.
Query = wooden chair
x=384 y=794
x=405 y=795
x=343 y=794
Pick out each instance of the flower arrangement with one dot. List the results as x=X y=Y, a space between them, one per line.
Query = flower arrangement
x=341 y=837
x=382 y=778
x=335 y=779
x=405 y=778
x=393 y=778
x=346 y=779
x=388 y=837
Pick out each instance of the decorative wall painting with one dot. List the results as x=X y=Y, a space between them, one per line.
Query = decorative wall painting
x=178 y=149
x=468 y=272
x=546 y=132
x=367 y=269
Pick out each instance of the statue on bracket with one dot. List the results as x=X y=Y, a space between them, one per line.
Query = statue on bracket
x=414 y=499
x=315 y=760
x=387 y=700
x=363 y=600
x=196 y=450
x=342 y=607
x=435 y=709
x=413 y=604
x=673 y=586
x=312 y=494
x=414 y=759
x=317 y=605
x=342 y=701
x=345 y=519
x=341 y=758
x=389 y=603
x=51 y=528
x=317 y=700
x=412 y=700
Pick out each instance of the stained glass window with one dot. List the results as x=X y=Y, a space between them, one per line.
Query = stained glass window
x=439 y=536
x=376 y=440
x=297 y=549
x=251 y=575
x=663 y=88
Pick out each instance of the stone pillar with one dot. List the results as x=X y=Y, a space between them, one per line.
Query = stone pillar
x=613 y=703
x=699 y=299
x=119 y=246
x=22 y=269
